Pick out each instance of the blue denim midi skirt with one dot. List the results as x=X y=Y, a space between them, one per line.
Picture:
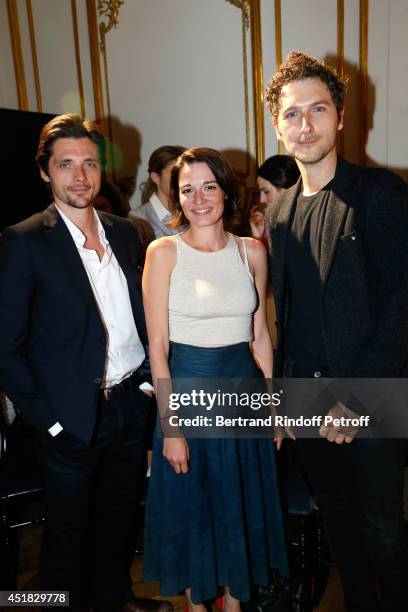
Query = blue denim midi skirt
x=221 y=523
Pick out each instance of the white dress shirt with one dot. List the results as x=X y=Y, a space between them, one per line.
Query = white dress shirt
x=125 y=352
x=157 y=215
x=161 y=211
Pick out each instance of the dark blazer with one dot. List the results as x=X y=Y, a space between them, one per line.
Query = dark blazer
x=52 y=339
x=363 y=270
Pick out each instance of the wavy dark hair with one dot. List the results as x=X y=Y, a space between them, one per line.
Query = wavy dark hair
x=297 y=66
x=224 y=175
x=68 y=126
x=280 y=170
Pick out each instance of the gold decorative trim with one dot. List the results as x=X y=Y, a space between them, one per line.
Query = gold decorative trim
x=340 y=59
x=278 y=33
x=95 y=63
x=257 y=80
x=34 y=55
x=243 y=6
x=17 y=54
x=340 y=37
x=278 y=52
x=363 y=78
x=245 y=26
x=109 y=8
x=78 y=56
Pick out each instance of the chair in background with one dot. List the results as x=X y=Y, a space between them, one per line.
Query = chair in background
x=20 y=492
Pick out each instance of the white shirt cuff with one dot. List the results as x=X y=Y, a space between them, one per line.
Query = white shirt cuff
x=55 y=429
x=146 y=386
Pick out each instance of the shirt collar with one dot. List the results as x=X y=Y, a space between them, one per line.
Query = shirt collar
x=160 y=210
x=77 y=235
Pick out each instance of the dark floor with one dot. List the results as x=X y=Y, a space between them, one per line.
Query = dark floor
x=29 y=577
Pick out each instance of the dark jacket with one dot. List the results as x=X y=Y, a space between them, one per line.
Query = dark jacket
x=363 y=270
x=52 y=339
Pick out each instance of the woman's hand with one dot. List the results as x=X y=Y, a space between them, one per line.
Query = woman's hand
x=281 y=433
x=257 y=222
x=176 y=451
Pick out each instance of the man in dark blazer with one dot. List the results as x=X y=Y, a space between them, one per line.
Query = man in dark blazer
x=74 y=360
x=339 y=266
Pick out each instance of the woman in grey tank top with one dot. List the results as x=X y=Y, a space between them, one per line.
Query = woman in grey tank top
x=213 y=517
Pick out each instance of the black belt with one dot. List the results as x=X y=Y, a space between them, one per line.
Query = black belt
x=125 y=385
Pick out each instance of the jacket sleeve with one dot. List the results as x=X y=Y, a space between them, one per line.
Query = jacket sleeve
x=136 y=245
x=386 y=234
x=17 y=292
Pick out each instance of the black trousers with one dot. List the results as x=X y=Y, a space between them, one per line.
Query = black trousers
x=359 y=490
x=92 y=495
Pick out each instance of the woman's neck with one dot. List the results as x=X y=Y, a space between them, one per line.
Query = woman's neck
x=209 y=239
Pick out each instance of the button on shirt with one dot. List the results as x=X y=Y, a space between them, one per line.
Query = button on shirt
x=125 y=352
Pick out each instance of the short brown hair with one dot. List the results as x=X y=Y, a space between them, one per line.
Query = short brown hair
x=68 y=126
x=298 y=66
x=224 y=175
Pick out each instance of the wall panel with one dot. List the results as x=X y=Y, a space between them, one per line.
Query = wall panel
x=8 y=87
x=176 y=77
x=56 y=56
x=302 y=26
x=27 y=54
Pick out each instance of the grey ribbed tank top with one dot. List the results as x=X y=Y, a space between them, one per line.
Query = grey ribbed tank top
x=212 y=296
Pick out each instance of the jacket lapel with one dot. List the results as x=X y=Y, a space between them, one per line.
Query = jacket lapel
x=65 y=249
x=279 y=235
x=128 y=260
x=335 y=216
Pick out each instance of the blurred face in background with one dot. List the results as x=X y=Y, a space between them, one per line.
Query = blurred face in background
x=162 y=182
x=268 y=193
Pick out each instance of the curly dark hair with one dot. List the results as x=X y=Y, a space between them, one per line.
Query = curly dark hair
x=297 y=66
x=224 y=176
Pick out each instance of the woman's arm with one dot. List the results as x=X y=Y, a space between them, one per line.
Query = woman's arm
x=160 y=261
x=261 y=344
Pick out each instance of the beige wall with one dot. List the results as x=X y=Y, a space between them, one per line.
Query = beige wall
x=176 y=73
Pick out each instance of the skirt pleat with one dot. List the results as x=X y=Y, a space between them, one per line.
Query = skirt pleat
x=221 y=523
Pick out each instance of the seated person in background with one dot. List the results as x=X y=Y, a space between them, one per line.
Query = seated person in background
x=109 y=200
x=155 y=194
x=276 y=174
x=144 y=231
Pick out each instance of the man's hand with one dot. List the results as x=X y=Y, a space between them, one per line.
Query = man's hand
x=336 y=432
x=176 y=451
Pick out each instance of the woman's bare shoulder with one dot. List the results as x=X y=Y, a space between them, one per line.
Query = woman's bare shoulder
x=162 y=250
x=163 y=245
x=254 y=247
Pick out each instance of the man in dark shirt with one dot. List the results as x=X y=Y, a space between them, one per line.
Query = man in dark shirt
x=340 y=281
